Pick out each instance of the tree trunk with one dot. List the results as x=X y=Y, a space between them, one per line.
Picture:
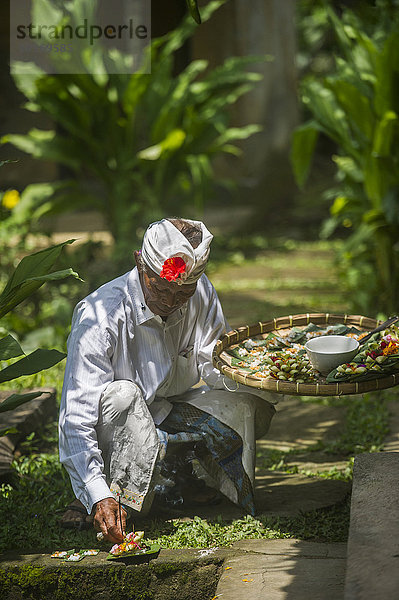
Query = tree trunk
x=259 y=27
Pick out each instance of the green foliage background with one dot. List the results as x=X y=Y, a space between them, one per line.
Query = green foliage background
x=136 y=146
x=357 y=106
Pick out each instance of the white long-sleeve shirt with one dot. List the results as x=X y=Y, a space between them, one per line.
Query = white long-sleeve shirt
x=115 y=336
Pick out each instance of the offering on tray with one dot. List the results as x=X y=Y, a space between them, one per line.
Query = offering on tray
x=283 y=356
x=379 y=357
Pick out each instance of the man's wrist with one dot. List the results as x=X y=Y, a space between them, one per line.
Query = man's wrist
x=96 y=490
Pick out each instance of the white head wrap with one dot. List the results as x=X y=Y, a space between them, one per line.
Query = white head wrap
x=162 y=240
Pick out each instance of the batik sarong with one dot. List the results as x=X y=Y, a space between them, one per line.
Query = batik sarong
x=212 y=440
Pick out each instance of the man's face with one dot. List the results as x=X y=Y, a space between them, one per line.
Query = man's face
x=161 y=296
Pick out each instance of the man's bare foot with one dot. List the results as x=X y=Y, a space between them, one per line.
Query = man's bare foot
x=76 y=517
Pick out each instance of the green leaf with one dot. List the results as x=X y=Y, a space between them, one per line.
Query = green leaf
x=47 y=145
x=8 y=430
x=32 y=197
x=390 y=204
x=25 y=77
x=5 y=162
x=340 y=31
x=237 y=133
x=173 y=141
x=347 y=165
x=16 y=400
x=29 y=275
x=46 y=12
x=356 y=105
x=231 y=149
x=339 y=205
x=177 y=99
x=384 y=134
x=38 y=360
x=375 y=180
x=194 y=11
x=175 y=39
x=303 y=146
x=329 y=117
x=9 y=348
x=386 y=75
x=29 y=286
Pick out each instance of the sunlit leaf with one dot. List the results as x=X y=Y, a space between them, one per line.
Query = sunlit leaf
x=349 y=167
x=30 y=274
x=7 y=430
x=173 y=141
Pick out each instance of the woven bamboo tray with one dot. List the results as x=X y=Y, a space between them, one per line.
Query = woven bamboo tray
x=320 y=388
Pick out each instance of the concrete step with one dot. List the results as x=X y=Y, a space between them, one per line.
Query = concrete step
x=373 y=545
x=174 y=575
x=282 y=570
x=251 y=569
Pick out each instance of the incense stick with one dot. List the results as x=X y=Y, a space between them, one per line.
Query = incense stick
x=120 y=515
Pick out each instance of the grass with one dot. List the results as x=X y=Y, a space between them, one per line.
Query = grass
x=274 y=281
x=290 y=279
x=34 y=504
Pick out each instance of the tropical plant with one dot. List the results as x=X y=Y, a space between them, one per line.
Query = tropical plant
x=194 y=10
x=30 y=274
x=358 y=107
x=138 y=146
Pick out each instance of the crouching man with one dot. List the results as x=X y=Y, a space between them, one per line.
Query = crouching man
x=131 y=422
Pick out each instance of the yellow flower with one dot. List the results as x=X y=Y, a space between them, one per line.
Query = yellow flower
x=10 y=199
x=392 y=348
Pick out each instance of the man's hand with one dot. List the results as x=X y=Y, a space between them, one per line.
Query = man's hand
x=106 y=520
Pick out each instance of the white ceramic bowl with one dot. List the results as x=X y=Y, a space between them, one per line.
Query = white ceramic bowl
x=328 y=351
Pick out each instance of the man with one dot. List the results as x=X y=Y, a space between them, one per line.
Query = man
x=137 y=347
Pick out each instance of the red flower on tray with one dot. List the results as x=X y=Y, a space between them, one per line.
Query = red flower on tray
x=172 y=268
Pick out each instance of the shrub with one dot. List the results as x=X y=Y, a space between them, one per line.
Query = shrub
x=357 y=107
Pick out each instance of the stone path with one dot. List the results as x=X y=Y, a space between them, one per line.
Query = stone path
x=296 y=426
x=283 y=570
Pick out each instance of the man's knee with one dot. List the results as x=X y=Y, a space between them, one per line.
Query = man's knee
x=117 y=398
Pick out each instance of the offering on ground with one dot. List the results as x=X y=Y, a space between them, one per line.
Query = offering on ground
x=133 y=547
x=132 y=542
x=72 y=556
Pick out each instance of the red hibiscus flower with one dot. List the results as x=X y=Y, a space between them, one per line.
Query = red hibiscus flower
x=172 y=267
